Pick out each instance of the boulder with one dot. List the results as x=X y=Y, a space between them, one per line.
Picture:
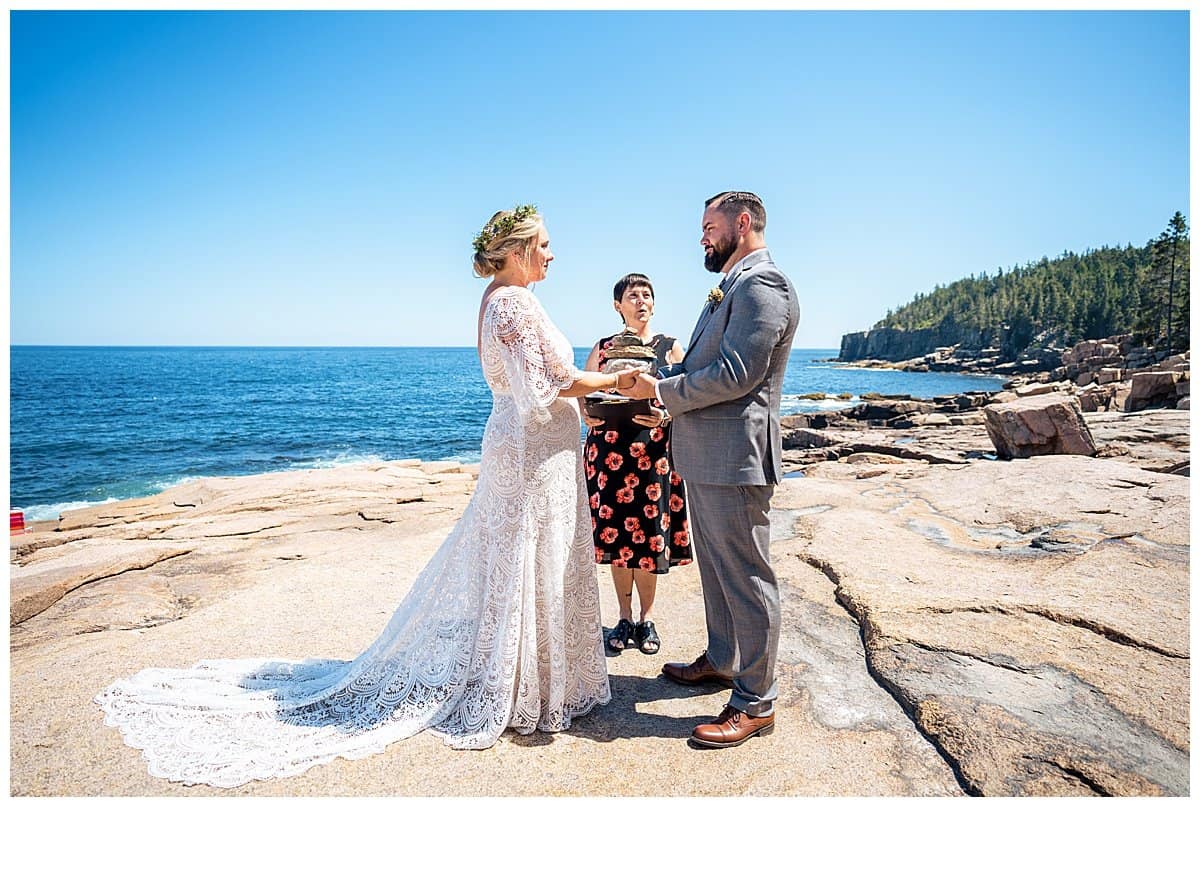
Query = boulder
x=806 y=439
x=1109 y=374
x=966 y=419
x=1095 y=398
x=930 y=419
x=890 y=409
x=1176 y=362
x=1026 y=391
x=1139 y=357
x=1120 y=396
x=1044 y=425
x=1184 y=404
x=1153 y=388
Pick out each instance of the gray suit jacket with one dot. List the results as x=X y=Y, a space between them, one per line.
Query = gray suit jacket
x=724 y=396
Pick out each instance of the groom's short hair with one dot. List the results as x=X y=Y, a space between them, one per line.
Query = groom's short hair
x=734 y=202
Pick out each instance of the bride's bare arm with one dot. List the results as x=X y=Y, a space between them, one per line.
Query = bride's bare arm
x=589 y=381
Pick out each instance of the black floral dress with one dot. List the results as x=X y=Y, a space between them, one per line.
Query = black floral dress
x=639 y=513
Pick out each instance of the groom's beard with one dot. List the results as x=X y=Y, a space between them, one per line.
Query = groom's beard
x=721 y=252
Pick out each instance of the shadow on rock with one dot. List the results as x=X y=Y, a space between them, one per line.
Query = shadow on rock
x=621 y=718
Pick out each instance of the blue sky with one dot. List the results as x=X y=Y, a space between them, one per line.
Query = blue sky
x=316 y=179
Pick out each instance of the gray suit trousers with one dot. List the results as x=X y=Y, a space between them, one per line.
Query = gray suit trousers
x=731 y=531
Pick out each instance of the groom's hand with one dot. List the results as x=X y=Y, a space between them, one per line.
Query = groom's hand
x=645 y=387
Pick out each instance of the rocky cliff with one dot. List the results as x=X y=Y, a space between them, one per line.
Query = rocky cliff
x=894 y=344
x=953 y=347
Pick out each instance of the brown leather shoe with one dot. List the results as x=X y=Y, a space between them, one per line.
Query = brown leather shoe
x=731 y=728
x=696 y=673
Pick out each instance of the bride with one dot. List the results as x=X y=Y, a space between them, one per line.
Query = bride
x=500 y=630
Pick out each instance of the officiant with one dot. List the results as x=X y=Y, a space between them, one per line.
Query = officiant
x=639 y=512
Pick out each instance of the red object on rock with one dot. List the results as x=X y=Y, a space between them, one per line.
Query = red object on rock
x=16 y=521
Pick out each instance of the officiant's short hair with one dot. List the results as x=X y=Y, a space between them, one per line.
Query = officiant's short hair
x=734 y=202
x=633 y=280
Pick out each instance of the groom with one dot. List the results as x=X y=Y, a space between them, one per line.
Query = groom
x=724 y=399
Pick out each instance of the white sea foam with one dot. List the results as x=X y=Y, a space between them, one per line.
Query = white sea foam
x=789 y=404
x=35 y=513
x=51 y=512
x=336 y=462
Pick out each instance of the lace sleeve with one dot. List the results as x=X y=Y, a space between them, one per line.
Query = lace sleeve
x=534 y=365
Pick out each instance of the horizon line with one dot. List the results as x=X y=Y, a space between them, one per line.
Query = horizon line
x=261 y=346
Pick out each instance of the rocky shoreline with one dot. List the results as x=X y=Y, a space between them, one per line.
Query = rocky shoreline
x=1040 y=362
x=1096 y=376
x=953 y=622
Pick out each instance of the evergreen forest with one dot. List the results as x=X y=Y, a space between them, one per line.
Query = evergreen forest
x=1139 y=290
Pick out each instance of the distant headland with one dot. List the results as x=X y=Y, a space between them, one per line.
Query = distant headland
x=1022 y=320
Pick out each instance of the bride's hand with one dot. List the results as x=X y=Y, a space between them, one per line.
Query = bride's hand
x=625 y=380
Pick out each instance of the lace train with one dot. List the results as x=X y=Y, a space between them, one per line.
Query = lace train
x=501 y=629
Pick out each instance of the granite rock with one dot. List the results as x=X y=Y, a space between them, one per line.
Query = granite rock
x=1044 y=425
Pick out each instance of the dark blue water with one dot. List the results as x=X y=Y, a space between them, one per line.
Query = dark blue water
x=95 y=424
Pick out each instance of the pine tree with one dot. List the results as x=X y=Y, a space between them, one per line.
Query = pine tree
x=1177 y=231
x=1164 y=279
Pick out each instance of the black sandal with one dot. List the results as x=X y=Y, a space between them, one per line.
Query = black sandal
x=623 y=633
x=647 y=638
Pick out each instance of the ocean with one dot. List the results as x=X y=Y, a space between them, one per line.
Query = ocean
x=98 y=424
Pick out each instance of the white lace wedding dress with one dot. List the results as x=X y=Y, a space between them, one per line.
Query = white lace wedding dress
x=501 y=629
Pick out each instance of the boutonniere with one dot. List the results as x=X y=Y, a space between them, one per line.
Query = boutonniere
x=715 y=296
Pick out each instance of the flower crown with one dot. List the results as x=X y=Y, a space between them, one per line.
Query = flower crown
x=503 y=227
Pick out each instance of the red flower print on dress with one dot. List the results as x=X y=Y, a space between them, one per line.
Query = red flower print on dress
x=590 y=470
x=631 y=524
x=610 y=437
x=654 y=492
x=662 y=466
x=594 y=500
x=646 y=563
x=639 y=537
x=605 y=512
x=665 y=521
x=626 y=555
x=592 y=452
x=676 y=479
x=624 y=496
x=681 y=538
x=613 y=461
x=657 y=543
x=651 y=511
x=656 y=434
x=601 y=480
x=676 y=503
x=644 y=463
x=637 y=450
x=608 y=535
x=593 y=524
x=599 y=555
x=631 y=481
